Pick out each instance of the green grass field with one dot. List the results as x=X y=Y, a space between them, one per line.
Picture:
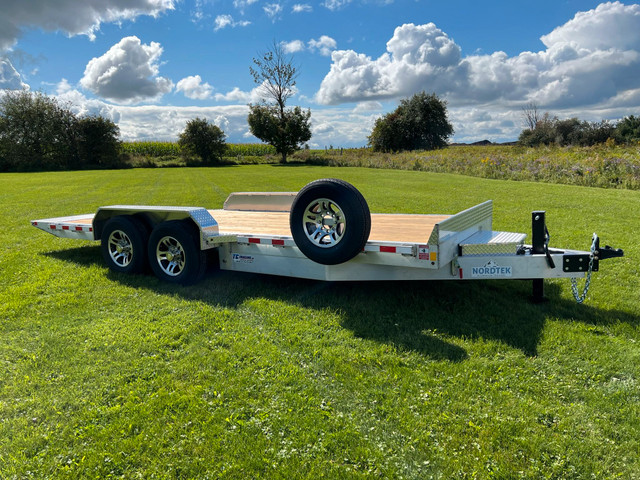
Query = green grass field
x=248 y=376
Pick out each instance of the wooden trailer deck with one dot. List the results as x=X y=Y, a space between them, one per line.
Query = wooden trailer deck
x=404 y=228
x=384 y=227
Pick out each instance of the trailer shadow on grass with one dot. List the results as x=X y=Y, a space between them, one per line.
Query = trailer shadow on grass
x=428 y=317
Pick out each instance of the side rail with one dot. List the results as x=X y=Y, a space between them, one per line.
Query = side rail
x=449 y=233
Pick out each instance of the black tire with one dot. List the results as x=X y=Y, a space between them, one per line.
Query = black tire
x=330 y=221
x=174 y=252
x=123 y=243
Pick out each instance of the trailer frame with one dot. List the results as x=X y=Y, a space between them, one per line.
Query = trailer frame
x=462 y=246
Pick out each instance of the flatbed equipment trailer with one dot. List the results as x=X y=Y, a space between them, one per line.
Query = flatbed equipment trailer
x=325 y=232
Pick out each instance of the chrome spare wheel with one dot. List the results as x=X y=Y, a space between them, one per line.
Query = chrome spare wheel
x=170 y=256
x=324 y=223
x=330 y=221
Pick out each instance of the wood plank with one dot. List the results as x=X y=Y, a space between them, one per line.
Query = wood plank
x=384 y=227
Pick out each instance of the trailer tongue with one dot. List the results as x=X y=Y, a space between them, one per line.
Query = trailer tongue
x=325 y=232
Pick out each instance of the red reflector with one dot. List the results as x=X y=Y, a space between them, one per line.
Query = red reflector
x=52 y=227
x=388 y=249
x=65 y=227
x=34 y=224
x=254 y=240
x=460 y=273
x=277 y=242
x=78 y=229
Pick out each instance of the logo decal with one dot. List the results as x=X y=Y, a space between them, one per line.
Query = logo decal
x=491 y=269
x=237 y=258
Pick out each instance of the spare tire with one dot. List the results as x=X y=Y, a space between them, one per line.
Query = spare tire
x=330 y=221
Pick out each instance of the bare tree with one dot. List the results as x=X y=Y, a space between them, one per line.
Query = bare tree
x=276 y=75
x=530 y=115
x=271 y=122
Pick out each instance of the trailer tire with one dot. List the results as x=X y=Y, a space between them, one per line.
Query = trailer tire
x=174 y=252
x=330 y=221
x=124 y=244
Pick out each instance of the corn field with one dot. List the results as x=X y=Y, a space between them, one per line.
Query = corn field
x=172 y=149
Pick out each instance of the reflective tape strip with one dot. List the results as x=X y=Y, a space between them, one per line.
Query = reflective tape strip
x=402 y=249
x=276 y=242
x=70 y=228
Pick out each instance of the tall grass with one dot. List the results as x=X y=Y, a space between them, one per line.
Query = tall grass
x=608 y=166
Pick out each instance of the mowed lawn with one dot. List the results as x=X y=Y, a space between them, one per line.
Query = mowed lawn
x=247 y=376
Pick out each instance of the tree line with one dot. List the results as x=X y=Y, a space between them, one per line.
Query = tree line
x=37 y=133
x=544 y=129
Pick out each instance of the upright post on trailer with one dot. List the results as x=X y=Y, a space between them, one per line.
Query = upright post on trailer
x=539 y=244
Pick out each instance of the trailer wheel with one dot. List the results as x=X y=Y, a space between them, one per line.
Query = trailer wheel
x=174 y=253
x=330 y=221
x=124 y=244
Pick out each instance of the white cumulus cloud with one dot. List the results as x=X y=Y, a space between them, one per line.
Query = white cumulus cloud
x=325 y=45
x=335 y=4
x=193 y=88
x=301 y=8
x=273 y=10
x=71 y=16
x=293 y=46
x=223 y=21
x=241 y=5
x=589 y=61
x=127 y=73
x=10 y=79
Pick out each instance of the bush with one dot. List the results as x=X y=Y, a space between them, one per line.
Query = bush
x=418 y=123
x=203 y=139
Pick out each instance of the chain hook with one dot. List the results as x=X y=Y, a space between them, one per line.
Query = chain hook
x=580 y=297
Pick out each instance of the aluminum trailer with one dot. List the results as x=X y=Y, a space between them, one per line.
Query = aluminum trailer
x=325 y=232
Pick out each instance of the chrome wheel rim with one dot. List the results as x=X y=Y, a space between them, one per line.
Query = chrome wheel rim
x=324 y=223
x=120 y=248
x=170 y=256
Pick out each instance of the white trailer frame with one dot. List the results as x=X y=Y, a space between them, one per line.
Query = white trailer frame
x=462 y=246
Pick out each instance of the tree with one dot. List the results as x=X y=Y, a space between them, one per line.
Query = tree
x=286 y=131
x=628 y=129
x=419 y=122
x=530 y=115
x=270 y=121
x=98 y=143
x=204 y=140
x=36 y=133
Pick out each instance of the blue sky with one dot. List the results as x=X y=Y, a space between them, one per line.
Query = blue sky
x=151 y=65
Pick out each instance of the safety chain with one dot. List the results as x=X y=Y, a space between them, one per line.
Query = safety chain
x=574 y=281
